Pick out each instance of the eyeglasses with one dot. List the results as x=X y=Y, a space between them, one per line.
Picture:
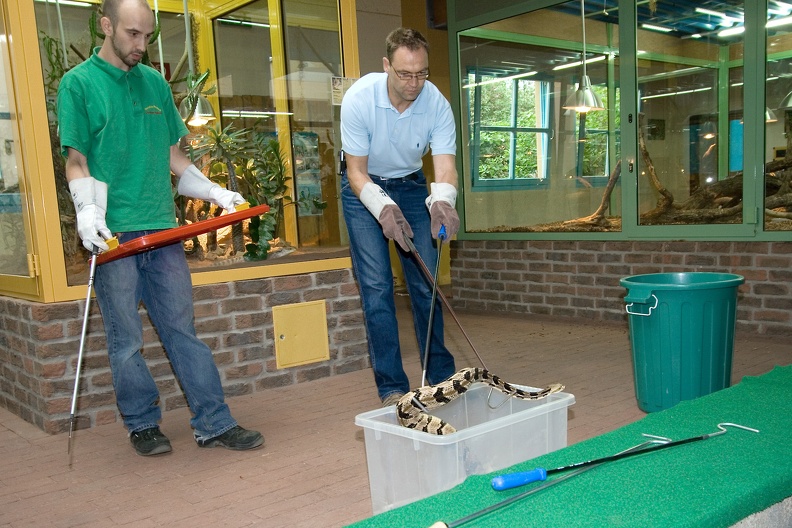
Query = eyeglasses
x=406 y=76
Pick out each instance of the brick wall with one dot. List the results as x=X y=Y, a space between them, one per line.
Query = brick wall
x=572 y=279
x=39 y=345
x=580 y=279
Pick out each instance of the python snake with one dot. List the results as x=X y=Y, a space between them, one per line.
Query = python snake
x=411 y=408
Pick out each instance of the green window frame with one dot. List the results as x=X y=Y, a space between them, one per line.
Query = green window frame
x=517 y=144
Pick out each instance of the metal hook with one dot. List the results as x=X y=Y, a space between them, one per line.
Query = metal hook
x=662 y=439
x=722 y=426
x=489 y=396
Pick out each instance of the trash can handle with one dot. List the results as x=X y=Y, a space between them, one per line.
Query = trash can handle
x=627 y=308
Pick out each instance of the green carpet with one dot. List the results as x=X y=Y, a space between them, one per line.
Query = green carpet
x=710 y=483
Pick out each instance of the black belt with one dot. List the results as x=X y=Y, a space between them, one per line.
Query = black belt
x=409 y=177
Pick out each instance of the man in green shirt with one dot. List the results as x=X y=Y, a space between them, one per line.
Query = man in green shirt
x=120 y=131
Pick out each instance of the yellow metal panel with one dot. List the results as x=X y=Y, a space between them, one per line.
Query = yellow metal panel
x=270 y=270
x=349 y=38
x=282 y=120
x=300 y=334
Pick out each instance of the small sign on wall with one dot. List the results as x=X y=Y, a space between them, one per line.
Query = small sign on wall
x=339 y=86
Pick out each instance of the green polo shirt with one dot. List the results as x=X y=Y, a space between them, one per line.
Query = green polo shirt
x=124 y=123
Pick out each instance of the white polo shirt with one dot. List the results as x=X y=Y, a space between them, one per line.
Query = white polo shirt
x=395 y=143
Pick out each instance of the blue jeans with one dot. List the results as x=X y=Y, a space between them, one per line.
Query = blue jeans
x=161 y=279
x=372 y=267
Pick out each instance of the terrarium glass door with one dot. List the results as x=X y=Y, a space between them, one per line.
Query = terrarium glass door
x=690 y=142
x=18 y=263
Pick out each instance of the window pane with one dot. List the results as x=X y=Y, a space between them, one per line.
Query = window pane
x=535 y=165
x=13 y=242
x=313 y=57
x=244 y=80
x=528 y=156
x=496 y=101
x=778 y=142
x=529 y=105
x=255 y=98
x=685 y=122
x=494 y=155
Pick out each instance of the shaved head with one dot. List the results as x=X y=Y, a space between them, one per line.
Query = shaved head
x=110 y=8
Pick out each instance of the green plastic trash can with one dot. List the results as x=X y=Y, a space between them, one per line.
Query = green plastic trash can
x=682 y=334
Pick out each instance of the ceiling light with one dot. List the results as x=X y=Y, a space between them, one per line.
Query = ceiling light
x=779 y=22
x=66 y=3
x=584 y=99
x=782 y=8
x=732 y=31
x=729 y=20
x=661 y=29
x=253 y=113
x=500 y=79
x=681 y=92
x=710 y=12
x=578 y=63
x=244 y=23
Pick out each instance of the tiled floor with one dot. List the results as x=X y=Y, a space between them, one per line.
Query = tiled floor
x=312 y=470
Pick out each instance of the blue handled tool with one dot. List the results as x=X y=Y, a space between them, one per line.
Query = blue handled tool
x=524 y=494
x=441 y=236
x=513 y=480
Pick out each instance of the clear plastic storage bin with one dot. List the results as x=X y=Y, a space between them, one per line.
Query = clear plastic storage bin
x=405 y=465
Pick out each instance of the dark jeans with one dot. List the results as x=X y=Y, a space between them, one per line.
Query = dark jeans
x=372 y=267
x=161 y=279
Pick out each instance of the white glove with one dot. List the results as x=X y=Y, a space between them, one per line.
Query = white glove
x=441 y=204
x=387 y=213
x=194 y=184
x=441 y=191
x=90 y=202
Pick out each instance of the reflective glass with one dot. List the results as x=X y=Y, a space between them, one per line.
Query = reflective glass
x=689 y=134
x=534 y=165
x=256 y=98
x=778 y=116
x=13 y=242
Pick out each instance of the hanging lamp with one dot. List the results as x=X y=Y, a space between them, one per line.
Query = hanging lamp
x=584 y=98
x=786 y=103
x=203 y=112
x=708 y=130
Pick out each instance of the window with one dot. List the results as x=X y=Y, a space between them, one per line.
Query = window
x=509 y=120
x=14 y=247
x=270 y=65
x=528 y=163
